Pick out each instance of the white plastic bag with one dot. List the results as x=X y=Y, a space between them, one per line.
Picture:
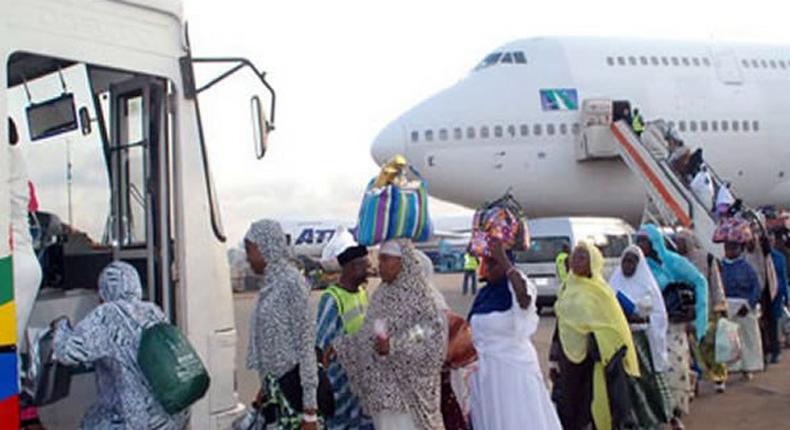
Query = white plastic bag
x=341 y=241
x=728 y=342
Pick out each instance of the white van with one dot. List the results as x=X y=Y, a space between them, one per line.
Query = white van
x=548 y=235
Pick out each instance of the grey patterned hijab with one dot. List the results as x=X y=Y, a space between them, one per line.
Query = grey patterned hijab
x=280 y=284
x=409 y=377
x=120 y=281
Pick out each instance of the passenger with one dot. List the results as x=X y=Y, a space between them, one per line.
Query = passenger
x=452 y=413
x=758 y=254
x=743 y=292
x=562 y=263
x=507 y=389
x=595 y=348
x=471 y=264
x=637 y=124
x=702 y=187
x=394 y=362
x=108 y=338
x=27 y=270
x=282 y=333
x=670 y=268
x=679 y=156
x=341 y=311
x=777 y=305
x=633 y=279
x=688 y=246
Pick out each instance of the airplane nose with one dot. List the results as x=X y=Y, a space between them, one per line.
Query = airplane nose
x=389 y=142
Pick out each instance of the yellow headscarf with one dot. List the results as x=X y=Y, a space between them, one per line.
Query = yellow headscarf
x=588 y=305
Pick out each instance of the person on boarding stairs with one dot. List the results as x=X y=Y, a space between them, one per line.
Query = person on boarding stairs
x=596 y=353
x=108 y=337
x=688 y=246
x=643 y=304
x=670 y=268
x=777 y=305
x=341 y=311
x=282 y=333
x=471 y=264
x=394 y=362
x=507 y=388
x=637 y=123
x=742 y=286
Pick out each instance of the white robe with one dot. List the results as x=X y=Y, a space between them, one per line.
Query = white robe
x=507 y=389
x=642 y=289
x=27 y=271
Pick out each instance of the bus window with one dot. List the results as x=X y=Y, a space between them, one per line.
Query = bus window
x=542 y=249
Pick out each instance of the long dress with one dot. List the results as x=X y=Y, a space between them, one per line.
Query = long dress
x=508 y=390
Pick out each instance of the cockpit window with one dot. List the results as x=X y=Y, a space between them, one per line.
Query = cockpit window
x=511 y=57
x=490 y=60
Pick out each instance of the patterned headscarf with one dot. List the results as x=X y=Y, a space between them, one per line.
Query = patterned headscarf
x=637 y=287
x=418 y=334
x=269 y=237
x=120 y=281
x=282 y=287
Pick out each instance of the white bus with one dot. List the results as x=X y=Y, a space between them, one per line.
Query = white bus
x=104 y=99
x=548 y=235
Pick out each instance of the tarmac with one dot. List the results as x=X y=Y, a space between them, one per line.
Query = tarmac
x=762 y=404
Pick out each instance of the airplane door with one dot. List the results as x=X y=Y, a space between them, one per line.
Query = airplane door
x=727 y=68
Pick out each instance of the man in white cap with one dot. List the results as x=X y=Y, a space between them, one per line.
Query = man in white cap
x=341 y=311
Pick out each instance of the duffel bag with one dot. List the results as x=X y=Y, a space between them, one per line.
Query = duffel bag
x=394 y=212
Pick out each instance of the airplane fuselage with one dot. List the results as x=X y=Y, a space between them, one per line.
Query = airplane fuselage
x=515 y=125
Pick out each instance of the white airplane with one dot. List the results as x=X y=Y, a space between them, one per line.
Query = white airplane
x=516 y=121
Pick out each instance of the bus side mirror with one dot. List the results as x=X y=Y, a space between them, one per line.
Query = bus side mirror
x=260 y=127
x=85 y=121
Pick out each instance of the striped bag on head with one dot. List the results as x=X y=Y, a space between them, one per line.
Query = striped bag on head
x=394 y=212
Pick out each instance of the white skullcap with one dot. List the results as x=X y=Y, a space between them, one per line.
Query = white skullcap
x=392 y=248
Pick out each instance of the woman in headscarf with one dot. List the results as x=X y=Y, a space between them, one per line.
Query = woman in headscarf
x=596 y=348
x=108 y=337
x=394 y=362
x=643 y=304
x=507 y=389
x=458 y=332
x=282 y=333
x=669 y=268
x=688 y=245
x=743 y=294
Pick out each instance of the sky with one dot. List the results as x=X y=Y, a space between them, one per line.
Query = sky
x=344 y=69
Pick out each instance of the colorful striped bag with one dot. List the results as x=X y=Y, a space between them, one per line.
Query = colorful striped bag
x=394 y=212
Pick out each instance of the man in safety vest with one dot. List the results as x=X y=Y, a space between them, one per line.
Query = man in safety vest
x=637 y=124
x=562 y=264
x=471 y=264
x=341 y=311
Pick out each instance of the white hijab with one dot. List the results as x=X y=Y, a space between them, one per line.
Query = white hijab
x=642 y=289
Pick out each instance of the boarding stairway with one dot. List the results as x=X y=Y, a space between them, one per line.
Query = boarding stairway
x=671 y=201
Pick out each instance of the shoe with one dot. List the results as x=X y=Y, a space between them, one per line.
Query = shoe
x=721 y=387
x=748 y=376
x=676 y=424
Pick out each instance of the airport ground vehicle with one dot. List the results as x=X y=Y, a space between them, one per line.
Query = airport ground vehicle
x=548 y=235
x=105 y=100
